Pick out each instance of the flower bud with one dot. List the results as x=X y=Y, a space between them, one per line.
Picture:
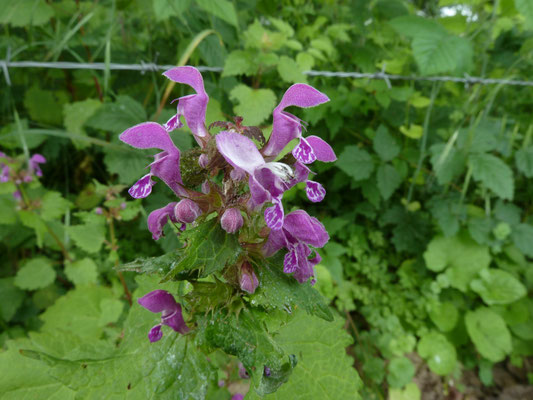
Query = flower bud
x=248 y=281
x=187 y=211
x=231 y=220
x=203 y=160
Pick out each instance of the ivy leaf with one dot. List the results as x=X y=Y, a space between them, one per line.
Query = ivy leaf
x=385 y=144
x=388 y=180
x=438 y=352
x=255 y=105
x=493 y=173
x=496 y=286
x=461 y=256
x=324 y=370
x=356 y=163
x=209 y=249
x=35 y=274
x=245 y=337
x=280 y=291
x=222 y=9
x=489 y=334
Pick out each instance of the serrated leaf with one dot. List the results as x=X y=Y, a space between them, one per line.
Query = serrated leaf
x=11 y=298
x=161 y=265
x=255 y=105
x=355 y=162
x=278 y=290
x=489 y=334
x=460 y=256
x=239 y=62
x=209 y=249
x=522 y=236
x=244 y=336
x=385 y=144
x=524 y=161
x=438 y=352
x=76 y=114
x=496 y=286
x=388 y=180
x=21 y=13
x=35 y=274
x=117 y=116
x=493 y=173
x=222 y=9
x=324 y=370
x=82 y=272
x=446 y=166
x=89 y=236
x=290 y=71
x=53 y=206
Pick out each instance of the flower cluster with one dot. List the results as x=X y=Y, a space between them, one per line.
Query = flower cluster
x=237 y=174
x=13 y=170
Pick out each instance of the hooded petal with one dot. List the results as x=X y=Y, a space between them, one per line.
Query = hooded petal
x=192 y=107
x=305 y=228
x=276 y=241
x=321 y=148
x=175 y=320
x=167 y=168
x=239 y=151
x=286 y=126
x=148 y=135
x=159 y=218
x=315 y=191
x=159 y=301
x=142 y=188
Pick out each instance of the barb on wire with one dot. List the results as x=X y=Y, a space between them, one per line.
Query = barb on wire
x=151 y=67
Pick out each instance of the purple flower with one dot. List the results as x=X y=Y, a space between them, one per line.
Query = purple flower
x=231 y=220
x=287 y=127
x=187 y=211
x=237 y=396
x=243 y=374
x=193 y=106
x=34 y=162
x=166 y=165
x=161 y=301
x=298 y=233
x=4 y=176
x=267 y=181
x=159 y=218
x=248 y=280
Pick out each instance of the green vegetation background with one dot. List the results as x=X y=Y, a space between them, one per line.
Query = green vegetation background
x=428 y=207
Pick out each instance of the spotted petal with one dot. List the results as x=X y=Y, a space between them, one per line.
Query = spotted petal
x=142 y=188
x=274 y=215
x=315 y=191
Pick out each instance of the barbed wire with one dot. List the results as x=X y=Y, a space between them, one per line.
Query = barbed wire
x=151 y=67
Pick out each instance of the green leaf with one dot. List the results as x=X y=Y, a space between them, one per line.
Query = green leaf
x=489 y=334
x=447 y=163
x=525 y=7
x=278 y=290
x=496 y=286
x=21 y=13
x=11 y=298
x=160 y=265
x=356 y=163
x=385 y=144
x=444 y=315
x=239 y=62
x=76 y=114
x=89 y=236
x=34 y=221
x=35 y=274
x=388 y=180
x=82 y=272
x=438 y=352
x=461 y=256
x=410 y=392
x=244 y=336
x=118 y=116
x=164 y=9
x=493 y=173
x=522 y=236
x=222 y=9
x=53 y=206
x=255 y=105
x=401 y=371
x=290 y=71
x=324 y=370
x=209 y=249
x=43 y=106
